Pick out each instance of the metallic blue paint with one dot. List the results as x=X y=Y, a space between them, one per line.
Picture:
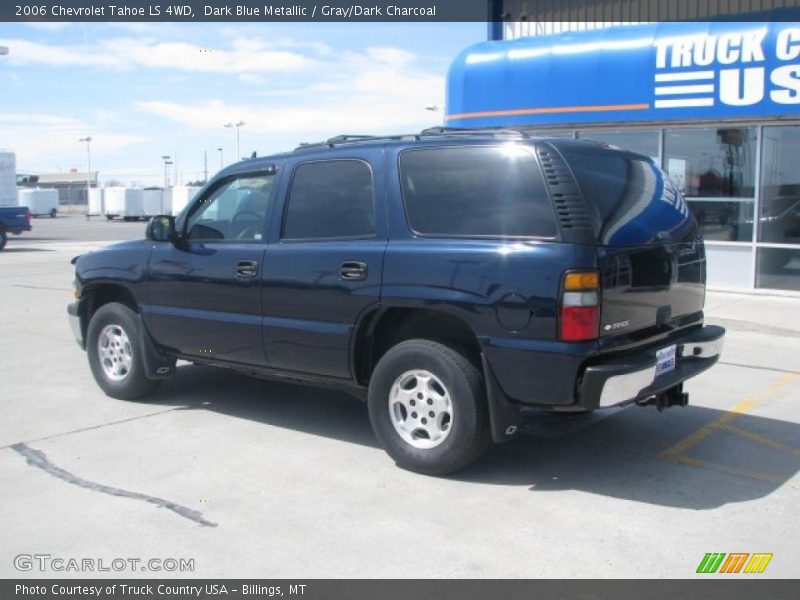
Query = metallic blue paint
x=298 y=316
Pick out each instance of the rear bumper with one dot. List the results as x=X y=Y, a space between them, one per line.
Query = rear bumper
x=632 y=377
x=74 y=316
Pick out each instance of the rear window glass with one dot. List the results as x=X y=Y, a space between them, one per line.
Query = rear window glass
x=476 y=192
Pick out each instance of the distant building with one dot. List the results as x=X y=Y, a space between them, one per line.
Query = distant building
x=71 y=186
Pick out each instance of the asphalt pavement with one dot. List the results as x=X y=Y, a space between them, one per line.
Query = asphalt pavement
x=249 y=478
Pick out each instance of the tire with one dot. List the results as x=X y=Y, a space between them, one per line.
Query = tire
x=3 y=239
x=441 y=445
x=109 y=217
x=53 y=213
x=123 y=375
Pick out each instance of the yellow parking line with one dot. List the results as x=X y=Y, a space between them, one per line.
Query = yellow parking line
x=696 y=462
x=774 y=444
x=745 y=406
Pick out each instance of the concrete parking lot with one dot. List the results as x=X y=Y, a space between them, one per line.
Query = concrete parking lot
x=257 y=479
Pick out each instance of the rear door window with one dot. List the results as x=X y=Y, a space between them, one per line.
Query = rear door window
x=478 y=191
x=330 y=199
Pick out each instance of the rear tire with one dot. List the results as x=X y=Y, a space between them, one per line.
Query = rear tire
x=53 y=213
x=427 y=406
x=115 y=354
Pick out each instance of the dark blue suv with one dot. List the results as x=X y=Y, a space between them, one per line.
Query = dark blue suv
x=456 y=280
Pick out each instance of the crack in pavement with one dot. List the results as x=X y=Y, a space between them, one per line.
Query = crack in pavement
x=37 y=458
x=98 y=426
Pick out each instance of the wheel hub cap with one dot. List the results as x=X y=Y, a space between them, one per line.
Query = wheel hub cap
x=114 y=352
x=420 y=409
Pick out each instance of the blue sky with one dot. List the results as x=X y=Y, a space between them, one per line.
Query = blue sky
x=145 y=90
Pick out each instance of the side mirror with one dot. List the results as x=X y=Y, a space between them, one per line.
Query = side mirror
x=161 y=228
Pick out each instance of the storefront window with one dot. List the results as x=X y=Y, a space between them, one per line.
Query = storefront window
x=779 y=222
x=639 y=140
x=714 y=167
x=778 y=268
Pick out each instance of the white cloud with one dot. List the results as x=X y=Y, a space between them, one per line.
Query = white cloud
x=395 y=57
x=25 y=52
x=243 y=55
x=48 y=26
x=48 y=142
x=352 y=98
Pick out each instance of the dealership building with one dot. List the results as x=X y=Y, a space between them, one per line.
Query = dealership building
x=716 y=104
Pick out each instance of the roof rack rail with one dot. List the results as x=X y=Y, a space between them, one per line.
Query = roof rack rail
x=439 y=130
x=429 y=132
x=352 y=139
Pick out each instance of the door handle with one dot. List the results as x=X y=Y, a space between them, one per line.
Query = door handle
x=352 y=270
x=246 y=268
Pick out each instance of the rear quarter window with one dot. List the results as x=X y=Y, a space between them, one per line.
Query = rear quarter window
x=636 y=201
x=476 y=192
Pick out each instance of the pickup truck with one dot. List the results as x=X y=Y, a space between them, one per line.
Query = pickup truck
x=457 y=281
x=14 y=219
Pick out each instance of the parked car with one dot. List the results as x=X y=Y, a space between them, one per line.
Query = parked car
x=13 y=219
x=455 y=280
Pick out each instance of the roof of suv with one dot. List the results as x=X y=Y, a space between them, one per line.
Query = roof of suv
x=433 y=135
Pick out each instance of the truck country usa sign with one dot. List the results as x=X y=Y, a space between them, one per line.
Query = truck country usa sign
x=735 y=61
x=656 y=72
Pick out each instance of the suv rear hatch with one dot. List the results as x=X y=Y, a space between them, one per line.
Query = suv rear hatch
x=649 y=250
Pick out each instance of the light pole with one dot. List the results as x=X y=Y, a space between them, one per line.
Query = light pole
x=167 y=162
x=88 y=141
x=220 y=158
x=237 y=126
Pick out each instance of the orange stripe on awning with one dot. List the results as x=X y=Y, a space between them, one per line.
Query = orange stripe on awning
x=548 y=110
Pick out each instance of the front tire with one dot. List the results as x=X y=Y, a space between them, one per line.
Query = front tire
x=3 y=239
x=115 y=354
x=427 y=406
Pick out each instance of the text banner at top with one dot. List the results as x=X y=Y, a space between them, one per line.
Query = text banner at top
x=246 y=10
x=384 y=11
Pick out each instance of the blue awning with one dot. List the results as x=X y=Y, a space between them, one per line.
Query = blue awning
x=657 y=72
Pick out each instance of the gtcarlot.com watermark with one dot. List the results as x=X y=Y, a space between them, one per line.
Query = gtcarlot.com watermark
x=59 y=564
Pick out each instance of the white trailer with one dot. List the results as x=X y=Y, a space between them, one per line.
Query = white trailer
x=180 y=196
x=124 y=202
x=97 y=203
x=40 y=202
x=8 y=179
x=155 y=202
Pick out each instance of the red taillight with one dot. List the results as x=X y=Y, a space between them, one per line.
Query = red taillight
x=27 y=217
x=580 y=307
x=579 y=323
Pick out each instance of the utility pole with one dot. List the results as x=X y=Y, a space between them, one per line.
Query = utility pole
x=220 y=158
x=205 y=166
x=88 y=141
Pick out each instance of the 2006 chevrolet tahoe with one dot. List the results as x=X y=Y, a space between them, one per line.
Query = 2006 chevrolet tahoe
x=453 y=279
